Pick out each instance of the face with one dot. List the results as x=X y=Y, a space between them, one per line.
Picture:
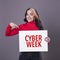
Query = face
x=29 y=16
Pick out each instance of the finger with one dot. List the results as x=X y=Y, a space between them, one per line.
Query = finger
x=16 y=26
x=47 y=39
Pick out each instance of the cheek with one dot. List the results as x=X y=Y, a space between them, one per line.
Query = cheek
x=32 y=17
x=26 y=17
x=29 y=17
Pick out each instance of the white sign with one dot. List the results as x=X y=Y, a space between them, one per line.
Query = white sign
x=33 y=40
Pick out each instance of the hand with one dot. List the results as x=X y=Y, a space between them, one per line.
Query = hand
x=13 y=25
x=47 y=39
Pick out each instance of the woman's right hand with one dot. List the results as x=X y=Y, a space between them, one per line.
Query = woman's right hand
x=13 y=25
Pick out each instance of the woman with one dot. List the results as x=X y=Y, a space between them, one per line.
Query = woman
x=32 y=23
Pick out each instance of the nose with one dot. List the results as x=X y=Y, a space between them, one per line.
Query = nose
x=28 y=16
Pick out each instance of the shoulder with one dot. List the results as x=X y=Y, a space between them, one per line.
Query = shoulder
x=21 y=25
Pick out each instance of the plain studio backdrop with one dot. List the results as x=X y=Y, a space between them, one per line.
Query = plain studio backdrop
x=14 y=10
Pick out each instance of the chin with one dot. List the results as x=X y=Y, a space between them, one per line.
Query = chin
x=30 y=20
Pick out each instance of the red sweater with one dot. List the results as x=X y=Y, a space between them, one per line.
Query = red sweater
x=26 y=26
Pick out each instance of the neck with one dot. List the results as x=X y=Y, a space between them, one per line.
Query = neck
x=31 y=22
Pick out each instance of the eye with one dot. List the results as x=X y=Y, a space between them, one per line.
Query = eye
x=31 y=13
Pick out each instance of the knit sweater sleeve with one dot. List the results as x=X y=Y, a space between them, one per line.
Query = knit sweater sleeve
x=11 y=32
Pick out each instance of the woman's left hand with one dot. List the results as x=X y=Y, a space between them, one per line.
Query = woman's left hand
x=47 y=39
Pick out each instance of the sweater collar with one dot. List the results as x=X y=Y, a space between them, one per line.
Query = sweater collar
x=32 y=22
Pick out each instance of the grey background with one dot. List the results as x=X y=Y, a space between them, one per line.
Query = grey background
x=14 y=10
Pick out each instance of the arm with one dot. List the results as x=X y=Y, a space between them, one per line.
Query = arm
x=11 y=32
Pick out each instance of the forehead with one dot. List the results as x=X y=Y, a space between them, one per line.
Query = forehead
x=29 y=11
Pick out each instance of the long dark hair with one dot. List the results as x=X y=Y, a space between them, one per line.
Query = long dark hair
x=37 y=20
